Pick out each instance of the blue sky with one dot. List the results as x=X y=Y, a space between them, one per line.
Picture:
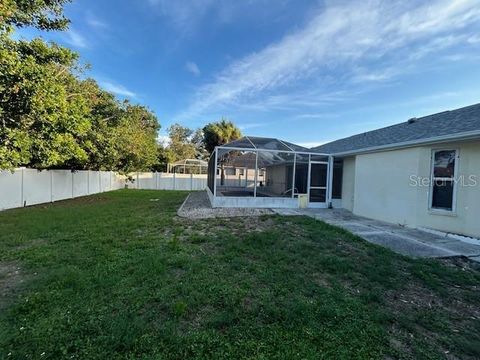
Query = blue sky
x=304 y=71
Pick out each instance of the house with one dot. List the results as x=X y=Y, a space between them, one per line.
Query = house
x=424 y=172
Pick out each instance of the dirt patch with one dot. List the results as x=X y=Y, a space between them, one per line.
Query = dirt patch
x=414 y=300
x=461 y=262
x=187 y=228
x=10 y=280
x=32 y=244
x=84 y=200
x=69 y=203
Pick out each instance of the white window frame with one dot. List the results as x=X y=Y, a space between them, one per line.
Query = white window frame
x=440 y=211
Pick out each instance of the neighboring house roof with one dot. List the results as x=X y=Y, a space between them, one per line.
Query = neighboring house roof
x=444 y=126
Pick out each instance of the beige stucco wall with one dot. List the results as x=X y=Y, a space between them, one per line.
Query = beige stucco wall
x=348 y=183
x=382 y=186
x=384 y=189
x=466 y=219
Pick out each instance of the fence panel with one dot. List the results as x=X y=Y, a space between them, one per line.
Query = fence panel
x=165 y=181
x=146 y=180
x=105 y=183
x=93 y=182
x=36 y=187
x=80 y=183
x=31 y=187
x=61 y=184
x=10 y=189
x=199 y=183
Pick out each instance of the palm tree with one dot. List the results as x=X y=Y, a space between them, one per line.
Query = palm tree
x=220 y=133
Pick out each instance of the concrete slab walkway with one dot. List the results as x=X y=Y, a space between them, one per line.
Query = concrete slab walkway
x=403 y=240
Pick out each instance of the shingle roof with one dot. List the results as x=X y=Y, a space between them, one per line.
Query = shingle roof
x=417 y=129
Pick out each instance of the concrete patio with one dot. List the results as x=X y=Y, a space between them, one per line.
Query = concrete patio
x=403 y=240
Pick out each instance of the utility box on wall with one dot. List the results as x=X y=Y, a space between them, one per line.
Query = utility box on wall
x=302 y=201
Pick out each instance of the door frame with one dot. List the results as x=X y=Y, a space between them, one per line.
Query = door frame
x=313 y=204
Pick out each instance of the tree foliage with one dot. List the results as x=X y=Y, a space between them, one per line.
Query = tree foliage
x=197 y=141
x=181 y=146
x=220 y=133
x=42 y=14
x=49 y=116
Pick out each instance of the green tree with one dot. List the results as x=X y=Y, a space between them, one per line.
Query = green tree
x=161 y=164
x=181 y=146
x=49 y=117
x=42 y=121
x=105 y=116
x=200 y=150
x=42 y=14
x=136 y=139
x=220 y=133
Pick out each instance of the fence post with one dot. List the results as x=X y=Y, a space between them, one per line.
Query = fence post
x=88 y=182
x=191 y=182
x=159 y=180
x=51 y=185
x=73 y=176
x=174 y=180
x=138 y=184
x=111 y=180
x=99 y=181
x=22 y=190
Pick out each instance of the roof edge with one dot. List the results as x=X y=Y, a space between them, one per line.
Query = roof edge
x=437 y=139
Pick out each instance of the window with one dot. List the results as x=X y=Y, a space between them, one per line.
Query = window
x=443 y=185
x=230 y=171
x=337 y=179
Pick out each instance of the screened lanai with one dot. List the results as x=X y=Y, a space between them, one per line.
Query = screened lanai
x=267 y=172
x=188 y=166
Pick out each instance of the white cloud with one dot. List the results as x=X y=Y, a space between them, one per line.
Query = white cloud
x=317 y=116
x=94 y=22
x=191 y=67
x=187 y=15
x=474 y=39
x=75 y=39
x=382 y=38
x=117 y=89
x=248 y=126
x=183 y=16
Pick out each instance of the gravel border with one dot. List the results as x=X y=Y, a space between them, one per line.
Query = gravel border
x=197 y=206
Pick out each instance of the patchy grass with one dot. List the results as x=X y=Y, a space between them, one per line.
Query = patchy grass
x=125 y=278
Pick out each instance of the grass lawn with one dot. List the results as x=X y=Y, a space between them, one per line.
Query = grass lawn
x=118 y=275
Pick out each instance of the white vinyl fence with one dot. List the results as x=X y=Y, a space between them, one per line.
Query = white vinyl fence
x=24 y=187
x=168 y=181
